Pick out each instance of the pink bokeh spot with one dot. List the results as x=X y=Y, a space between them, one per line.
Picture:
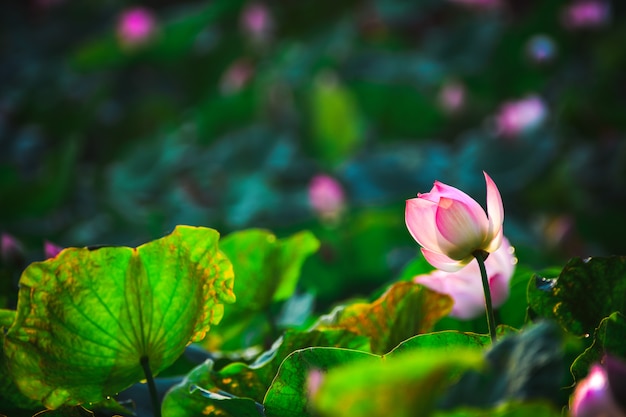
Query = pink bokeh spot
x=515 y=118
x=326 y=197
x=256 y=20
x=586 y=14
x=51 y=250
x=452 y=97
x=136 y=26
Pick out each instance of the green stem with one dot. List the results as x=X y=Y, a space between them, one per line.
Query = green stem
x=156 y=406
x=480 y=256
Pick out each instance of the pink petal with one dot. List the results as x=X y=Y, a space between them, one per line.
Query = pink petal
x=495 y=208
x=420 y=220
x=443 y=262
x=502 y=260
x=464 y=286
x=443 y=190
x=495 y=243
x=464 y=227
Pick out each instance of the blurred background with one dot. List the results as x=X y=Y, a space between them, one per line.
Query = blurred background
x=120 y=120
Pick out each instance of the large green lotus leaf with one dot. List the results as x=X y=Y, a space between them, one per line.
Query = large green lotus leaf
x=586 y=291
x=608 y=339
x=267 y=270
x=88 y=318
x=400 y=384
x=404 y=310
x=289 y=394
x=248 y=381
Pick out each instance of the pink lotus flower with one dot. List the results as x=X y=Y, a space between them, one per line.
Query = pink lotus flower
x=326 y=197
x=451 y=226
x=136 y=26
x=593 y=396
x=465 y=286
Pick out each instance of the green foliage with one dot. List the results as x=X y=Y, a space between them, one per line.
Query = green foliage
x=88 y=317
x=524 y=366
x=607 y=339
x=402 y=384
x=267 y=270
x=336 y=130
x=586 y=291
x=404 y=310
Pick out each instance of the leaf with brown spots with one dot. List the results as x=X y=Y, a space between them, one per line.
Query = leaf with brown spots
x=404 y=310
x=87 y=318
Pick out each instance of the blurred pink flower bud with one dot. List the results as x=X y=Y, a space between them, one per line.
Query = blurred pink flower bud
x=451 y=226
x=595 y=395
x=452 y=97
x=51 y=250
x=256 y=21
x=586 y=14
x=136 y=26
x=326 y=197
x=314 y=379
x=236 y=76
x=11 y=249
x=518 y=117
x=465 y=285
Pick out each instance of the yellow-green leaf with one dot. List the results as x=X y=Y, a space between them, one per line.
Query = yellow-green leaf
x=88 y=317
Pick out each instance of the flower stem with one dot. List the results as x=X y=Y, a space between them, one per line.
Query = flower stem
x=481 y=256
x=156 y=407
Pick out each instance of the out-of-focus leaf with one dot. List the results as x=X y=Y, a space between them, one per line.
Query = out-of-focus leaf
x=289 y=393
x=197 y=395
x=7 y=317
x=509 y=409
x=404 y=384
x=267 y=270
x=608 y=339
x=404 y=310
x=252 y=381
x=412 y=114
x=586 y=291
x=513 y=311
x=445 y=341
x=524 y=366
x=335 y=120
x=88 y=318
